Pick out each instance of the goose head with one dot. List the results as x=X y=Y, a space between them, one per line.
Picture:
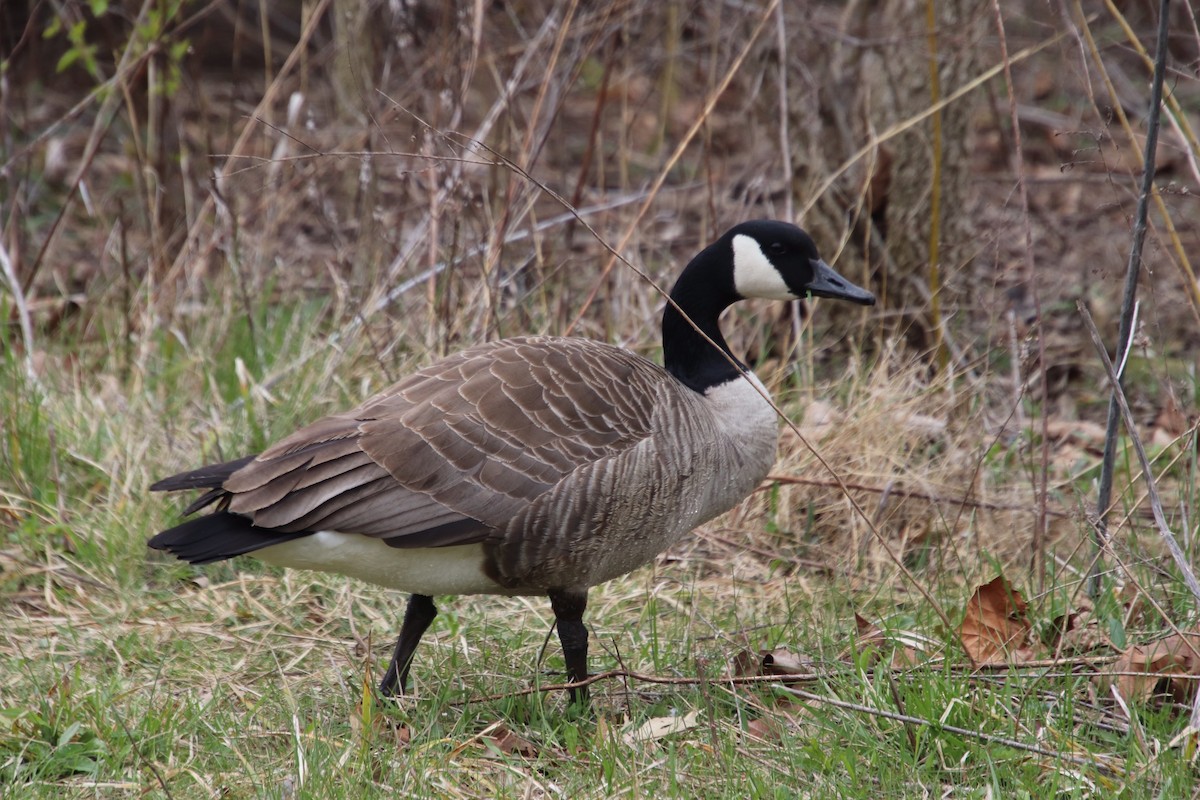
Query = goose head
x=764 y=259
x=779 y=261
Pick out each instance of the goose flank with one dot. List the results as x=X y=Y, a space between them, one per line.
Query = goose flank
x=530 y=466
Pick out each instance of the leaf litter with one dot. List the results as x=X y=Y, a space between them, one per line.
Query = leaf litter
x=996 y=631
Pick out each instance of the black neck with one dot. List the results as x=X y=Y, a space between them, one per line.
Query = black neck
x=703 y=291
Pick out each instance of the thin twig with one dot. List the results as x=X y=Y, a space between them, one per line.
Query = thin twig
x=941 y=355
x=338 y=340
x=589 y=152
x=186 y=253
x=806 y=677
x=103 y=90
x=1178 y=118
x=104 y=119
x=1128 y=303
x=141 y=756
x=481 y=132
x=643 y=677
x=785 y=136
x=22 y=308
x=810 y=696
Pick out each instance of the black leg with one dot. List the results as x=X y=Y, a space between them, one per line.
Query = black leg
x=569 y=605
x=417 y=618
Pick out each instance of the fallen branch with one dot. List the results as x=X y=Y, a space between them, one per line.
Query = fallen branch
x=626 y=674
x=799 y=677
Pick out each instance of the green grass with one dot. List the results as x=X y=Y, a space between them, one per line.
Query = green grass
x=244 y=686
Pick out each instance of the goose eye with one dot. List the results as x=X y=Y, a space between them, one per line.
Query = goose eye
x=776 y=247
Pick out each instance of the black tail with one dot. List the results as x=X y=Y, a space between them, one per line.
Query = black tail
x=221 y=534
x=218 y=536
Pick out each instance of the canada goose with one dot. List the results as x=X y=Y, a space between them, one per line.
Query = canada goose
x=526 y=466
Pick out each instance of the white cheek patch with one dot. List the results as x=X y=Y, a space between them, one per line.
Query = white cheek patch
x=753 y=273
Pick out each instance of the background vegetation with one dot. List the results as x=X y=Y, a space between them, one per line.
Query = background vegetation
x=223 y=219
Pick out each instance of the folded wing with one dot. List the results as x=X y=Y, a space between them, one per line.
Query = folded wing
x=446 y=456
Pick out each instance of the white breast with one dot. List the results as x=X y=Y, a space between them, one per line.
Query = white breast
x=750 y=432
x=743 y=410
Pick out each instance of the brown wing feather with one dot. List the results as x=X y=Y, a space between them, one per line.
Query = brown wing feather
x=454 y=452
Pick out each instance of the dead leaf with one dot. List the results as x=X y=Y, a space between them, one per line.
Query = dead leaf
x=767 y=729
x=1073 y=632
x=906 y=657
x=1088 y=435
x=782 y=661
x=820 y=419
x=1137 y=688
x=1169 y=665
x=1161 y=439
x=1134 y=688
x=1184 y=651
x=921 y=425
x=601 y=736
x=369 y=724
x=820 y=414
x=746 y=663
x=995 y=628
x=503 y=741
x=659 y=727
x=1179 y=656
x=779 y=661
x=402 y=734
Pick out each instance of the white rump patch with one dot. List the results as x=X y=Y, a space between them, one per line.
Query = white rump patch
x=753 y=273
x=420 y=570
